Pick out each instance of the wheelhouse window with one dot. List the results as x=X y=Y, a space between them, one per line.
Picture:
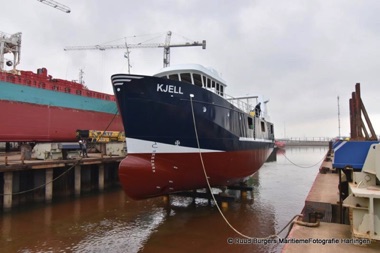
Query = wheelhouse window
x=197 y=80
x=174 y=77
x=208 y=83
x=186 y=77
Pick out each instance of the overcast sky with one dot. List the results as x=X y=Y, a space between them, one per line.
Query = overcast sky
x=299 y=54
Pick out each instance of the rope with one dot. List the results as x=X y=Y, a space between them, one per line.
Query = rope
x=212 y=195
x=43 y=185
x=304 y=167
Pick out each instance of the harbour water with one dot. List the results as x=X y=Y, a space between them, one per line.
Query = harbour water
x=111 y=222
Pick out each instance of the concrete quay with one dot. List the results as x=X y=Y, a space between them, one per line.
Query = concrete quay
x=33 y=181
x=323 y=205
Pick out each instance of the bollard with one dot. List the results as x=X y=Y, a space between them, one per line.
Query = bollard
x=165 y=199
x=243 y=195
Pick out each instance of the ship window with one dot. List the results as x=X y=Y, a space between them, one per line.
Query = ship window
x=164 y=77
x=262 y=126
x=197 y=80
x=208 y=83
x=186 y=77
x=217 y=88
x=67 y=90
x=89 y=94
x=213 y=84
x=271 y=129
x=79 y=92
x=174 y=77
x=250 y=123
x=204 y=80
x=221 y=90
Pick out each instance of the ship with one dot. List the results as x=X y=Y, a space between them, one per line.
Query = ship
x=183 y=132
x=35 y=107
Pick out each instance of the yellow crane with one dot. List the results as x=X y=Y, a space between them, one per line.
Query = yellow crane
x=56 y=5
x=126 y=46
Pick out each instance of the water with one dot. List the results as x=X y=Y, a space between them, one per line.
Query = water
x=111 y=222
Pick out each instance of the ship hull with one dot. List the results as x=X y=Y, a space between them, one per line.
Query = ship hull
x=40 y=123
x=172 y=126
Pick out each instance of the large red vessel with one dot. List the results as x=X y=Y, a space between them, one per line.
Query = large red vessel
x=36 y=107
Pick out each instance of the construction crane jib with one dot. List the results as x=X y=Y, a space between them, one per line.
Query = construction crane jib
x=56 y=5
x=126 y=46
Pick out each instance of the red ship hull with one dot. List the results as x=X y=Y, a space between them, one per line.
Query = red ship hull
x=32 y=122
x=169 y=173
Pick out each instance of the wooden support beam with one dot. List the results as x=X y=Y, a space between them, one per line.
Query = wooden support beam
x=8 y=191
x=358 y=129
x=101 y=177
x=77 y=180
x=49 y=185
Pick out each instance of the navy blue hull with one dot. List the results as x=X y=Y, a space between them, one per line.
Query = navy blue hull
x=166 y=117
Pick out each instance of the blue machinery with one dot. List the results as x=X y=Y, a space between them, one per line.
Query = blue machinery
x=351 y=154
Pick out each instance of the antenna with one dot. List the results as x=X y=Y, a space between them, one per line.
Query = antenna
x=126 y=55
x=81 y=79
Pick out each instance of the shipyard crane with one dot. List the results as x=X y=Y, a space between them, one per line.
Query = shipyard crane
x=56 y=5
x=126 y=46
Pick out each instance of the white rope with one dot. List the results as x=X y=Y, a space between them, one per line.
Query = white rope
x=304 y=167
x=209 y=186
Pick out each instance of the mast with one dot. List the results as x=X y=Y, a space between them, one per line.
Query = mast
x=338 y=117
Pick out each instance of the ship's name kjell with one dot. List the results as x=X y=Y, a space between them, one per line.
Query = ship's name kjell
x=169 y=89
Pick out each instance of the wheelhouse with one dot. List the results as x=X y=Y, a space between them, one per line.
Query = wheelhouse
x=195 y=74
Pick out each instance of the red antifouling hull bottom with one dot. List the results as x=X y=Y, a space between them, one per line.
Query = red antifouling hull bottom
x=149 y=175
x=29 y=122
